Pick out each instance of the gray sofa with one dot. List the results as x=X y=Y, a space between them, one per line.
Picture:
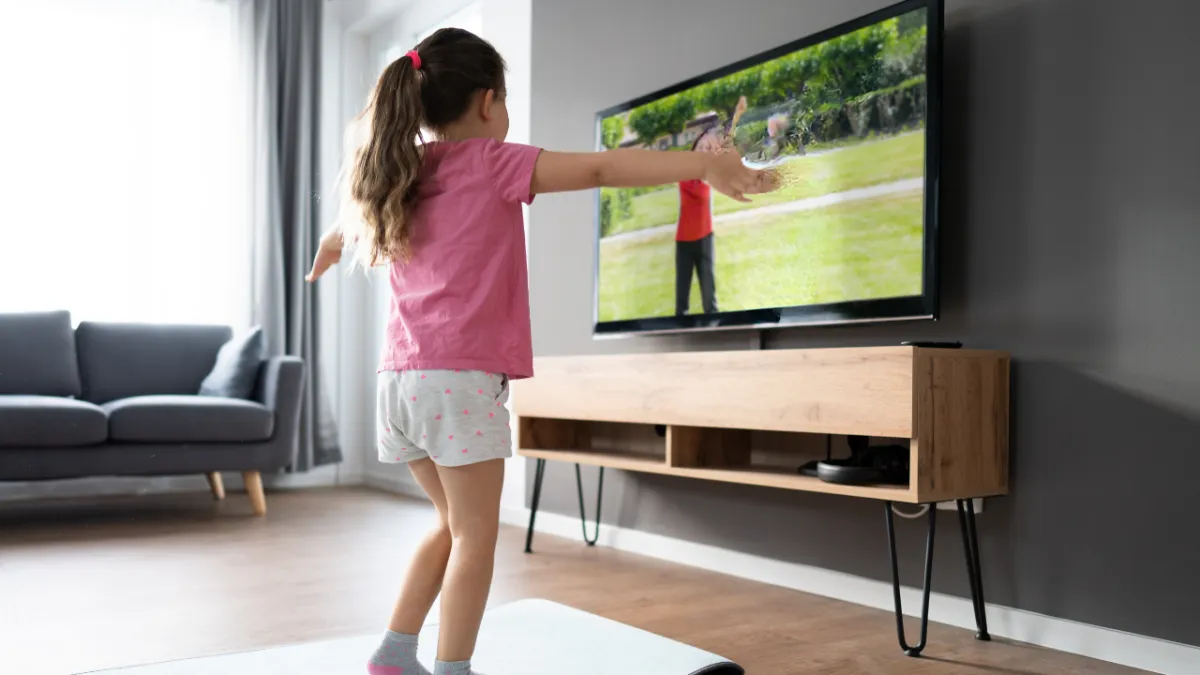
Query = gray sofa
x=112 y=399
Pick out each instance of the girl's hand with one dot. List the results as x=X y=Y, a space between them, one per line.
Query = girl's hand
x=329 y=253
x=727 y=175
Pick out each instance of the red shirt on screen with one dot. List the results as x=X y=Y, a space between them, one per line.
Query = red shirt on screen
x=695 y=211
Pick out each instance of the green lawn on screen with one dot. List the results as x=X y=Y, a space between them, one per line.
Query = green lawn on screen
x=858 y=250
x=868 y=163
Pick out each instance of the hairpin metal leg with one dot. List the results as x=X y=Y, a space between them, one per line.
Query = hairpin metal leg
x=538 y=474
x=591 y=541
x=966 y=522
x=913 y=650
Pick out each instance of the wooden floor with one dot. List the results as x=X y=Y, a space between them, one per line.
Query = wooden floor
x=104 y=583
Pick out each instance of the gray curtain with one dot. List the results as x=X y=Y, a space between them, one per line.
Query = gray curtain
x=285 y=38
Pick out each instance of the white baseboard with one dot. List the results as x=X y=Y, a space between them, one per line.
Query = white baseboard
x=1136 y=651
x=324 y=476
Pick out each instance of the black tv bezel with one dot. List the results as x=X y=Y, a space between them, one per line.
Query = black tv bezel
x=909 y=308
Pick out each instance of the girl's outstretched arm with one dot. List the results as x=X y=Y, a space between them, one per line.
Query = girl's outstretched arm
x=329 y=253
x=565 y=172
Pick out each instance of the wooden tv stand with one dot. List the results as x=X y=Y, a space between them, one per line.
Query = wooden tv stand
x=753 y=417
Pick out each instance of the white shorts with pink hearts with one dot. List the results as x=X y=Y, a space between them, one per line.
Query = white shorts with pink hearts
x=453 y=417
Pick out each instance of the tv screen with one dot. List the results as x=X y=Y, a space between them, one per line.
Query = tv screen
x=849 y=118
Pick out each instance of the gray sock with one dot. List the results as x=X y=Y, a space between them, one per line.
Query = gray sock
x=396 y=656
x=454 y=668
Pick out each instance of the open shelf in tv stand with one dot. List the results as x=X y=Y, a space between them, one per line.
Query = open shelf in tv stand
x=951 y=404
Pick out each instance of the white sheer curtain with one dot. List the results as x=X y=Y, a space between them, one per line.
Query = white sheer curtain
x=122 y=160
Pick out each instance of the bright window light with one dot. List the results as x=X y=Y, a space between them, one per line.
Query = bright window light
x=124 y=161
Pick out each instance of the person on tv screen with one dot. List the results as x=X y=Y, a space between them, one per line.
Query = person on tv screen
x=777 y=126
x=694 y=232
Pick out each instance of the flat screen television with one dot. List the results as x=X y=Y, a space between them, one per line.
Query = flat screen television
x=850 y=118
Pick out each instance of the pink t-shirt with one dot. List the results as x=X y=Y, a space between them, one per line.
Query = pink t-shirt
x=462 y=300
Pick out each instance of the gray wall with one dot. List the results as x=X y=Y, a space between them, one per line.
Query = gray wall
x=1071 y=238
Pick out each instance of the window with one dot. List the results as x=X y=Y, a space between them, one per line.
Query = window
x=123 y=160
x=469 y=18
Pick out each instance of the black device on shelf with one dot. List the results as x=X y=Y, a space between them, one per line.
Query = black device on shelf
x=810 y=469
x=930 y=344
x=879 y=465
x=866 y=465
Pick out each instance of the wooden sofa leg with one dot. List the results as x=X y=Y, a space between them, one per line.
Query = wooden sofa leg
x=215 y=484
x=254 y=488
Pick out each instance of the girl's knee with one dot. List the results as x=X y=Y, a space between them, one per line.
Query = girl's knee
x=441 y=532
x=474 y=531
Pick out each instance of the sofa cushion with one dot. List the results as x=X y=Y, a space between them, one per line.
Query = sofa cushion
x=119 y=360
x=236 y=370
x=188 y=419
x=37 y=354
x=50 y=422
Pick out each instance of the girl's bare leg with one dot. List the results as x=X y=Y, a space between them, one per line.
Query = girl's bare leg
x=423 y=581
x=473 y=499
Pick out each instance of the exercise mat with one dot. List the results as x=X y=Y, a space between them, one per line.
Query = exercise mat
x=527 y=637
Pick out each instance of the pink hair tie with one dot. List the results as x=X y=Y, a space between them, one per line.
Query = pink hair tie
x=416 y=59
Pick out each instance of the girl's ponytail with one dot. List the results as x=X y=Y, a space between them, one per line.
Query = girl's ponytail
x=384 y=178
x=427 y=88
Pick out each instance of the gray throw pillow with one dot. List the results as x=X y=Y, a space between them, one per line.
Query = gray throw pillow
x=37 y=355
x=236 y=369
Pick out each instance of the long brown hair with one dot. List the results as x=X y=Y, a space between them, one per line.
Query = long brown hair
x=382 y=186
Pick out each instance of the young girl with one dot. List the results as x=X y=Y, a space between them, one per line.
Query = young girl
x=445 y=217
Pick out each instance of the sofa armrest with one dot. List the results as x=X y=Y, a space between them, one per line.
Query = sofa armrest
x=281 y=382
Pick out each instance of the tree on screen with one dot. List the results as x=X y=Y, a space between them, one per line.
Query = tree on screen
x=904 y=56
x=852 y=63
x=667 y=116
x=912 y=21
x=783 y=79
x=612 y=130
x=615 y=204
x=722 y=95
